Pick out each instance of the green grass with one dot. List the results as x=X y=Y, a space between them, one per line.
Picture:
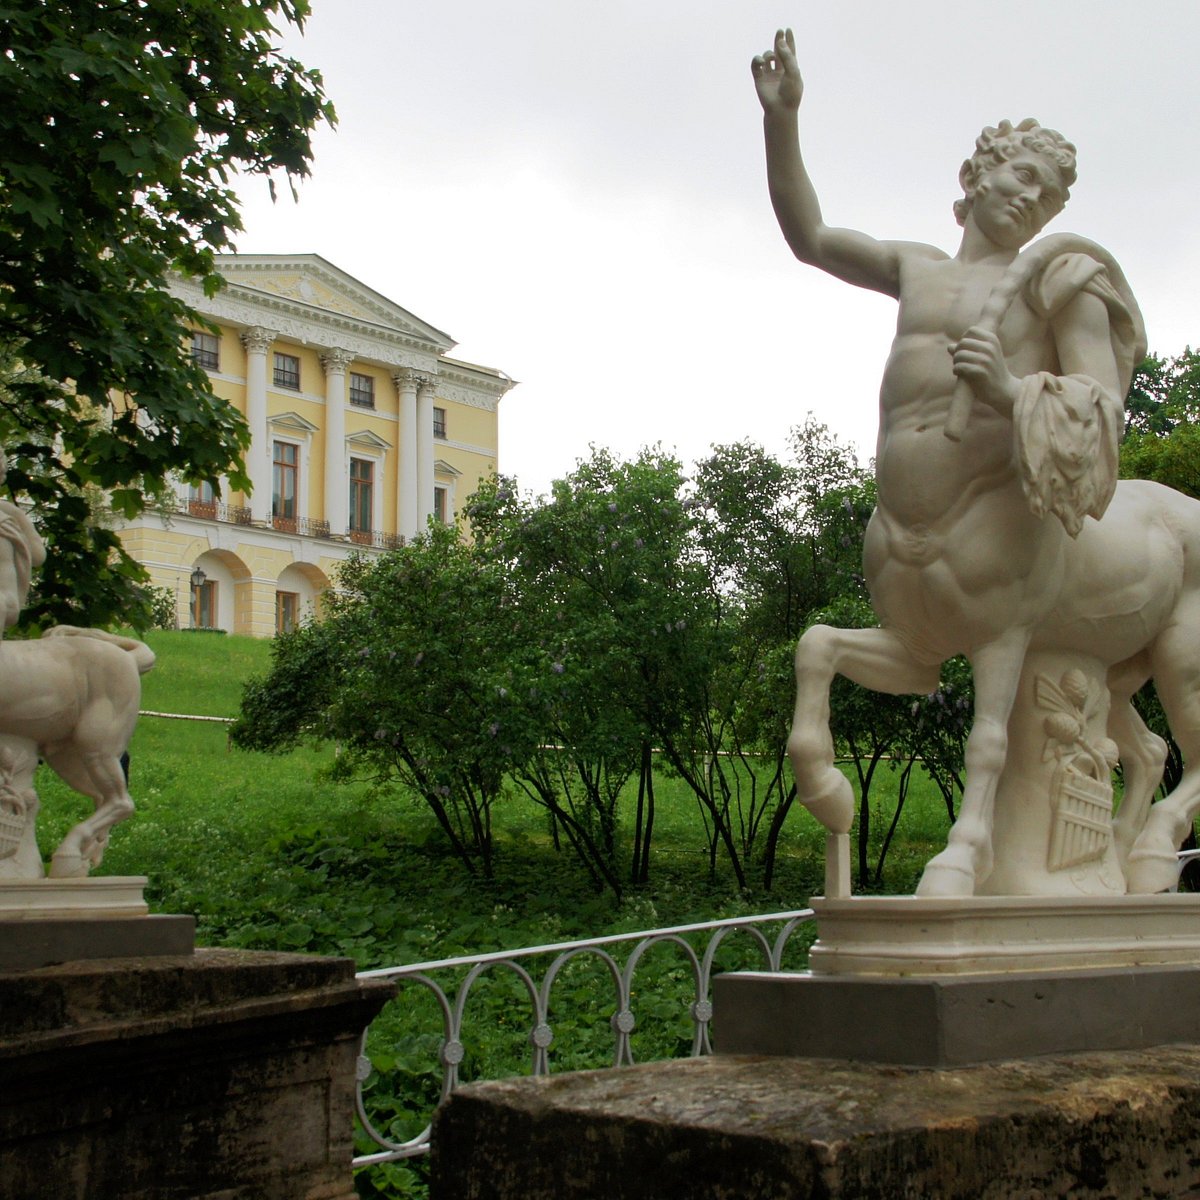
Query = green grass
x=201 y=672
x=259 y=846
x=269 y=853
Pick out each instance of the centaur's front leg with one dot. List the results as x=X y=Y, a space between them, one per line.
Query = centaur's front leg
x=872 y=658
x=967 y=859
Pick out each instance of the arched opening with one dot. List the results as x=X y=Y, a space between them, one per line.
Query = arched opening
x=297 y=595
x=212 y=586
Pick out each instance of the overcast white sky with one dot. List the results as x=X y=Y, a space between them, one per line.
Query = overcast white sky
x=574 y=190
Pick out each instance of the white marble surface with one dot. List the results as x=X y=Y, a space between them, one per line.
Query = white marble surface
x=1001 y=532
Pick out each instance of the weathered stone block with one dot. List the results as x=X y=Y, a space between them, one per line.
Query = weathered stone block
x=223 y=1075
x=954 y=1020
x=1107 y=1124
x=42 y=943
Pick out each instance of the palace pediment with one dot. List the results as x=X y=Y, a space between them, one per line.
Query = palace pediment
x=306 y=284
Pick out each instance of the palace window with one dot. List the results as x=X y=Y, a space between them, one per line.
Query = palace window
x=362 y=495
x=362 y=390
x=439 y=505
x=206 y=350
x=439 y=423
x=287 y=371
x=287 y=611
x=285 y=471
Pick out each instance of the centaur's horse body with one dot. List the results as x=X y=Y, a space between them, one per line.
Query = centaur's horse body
x=1000 y=528
x=1126 y=592
x=74 y=693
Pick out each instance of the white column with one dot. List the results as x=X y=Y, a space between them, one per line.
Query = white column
x=406 y=459
x=424 y=452
x=337 y=488
x=258 y=458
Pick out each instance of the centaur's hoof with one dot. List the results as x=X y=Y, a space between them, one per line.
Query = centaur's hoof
x=1153 y=866
x=1150 y=871
x=946 y=875
x=832 y=803
x=69 y=866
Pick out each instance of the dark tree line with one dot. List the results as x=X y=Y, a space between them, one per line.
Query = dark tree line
x=636 y=620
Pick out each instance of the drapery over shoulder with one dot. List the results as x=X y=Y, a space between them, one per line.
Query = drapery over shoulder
x=1067 y=427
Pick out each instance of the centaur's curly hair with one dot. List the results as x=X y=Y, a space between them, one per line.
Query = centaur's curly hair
x=1000 y=143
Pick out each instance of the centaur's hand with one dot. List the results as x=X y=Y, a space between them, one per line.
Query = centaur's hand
x=777 y=77
x=979 y=359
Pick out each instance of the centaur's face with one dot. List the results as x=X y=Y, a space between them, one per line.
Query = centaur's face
x=1017 y=199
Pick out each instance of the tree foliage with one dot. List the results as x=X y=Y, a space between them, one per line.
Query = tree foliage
x=615 y=599
x=1162 y=443
x=1162 y=429
x=123 y=124
x=634 y=619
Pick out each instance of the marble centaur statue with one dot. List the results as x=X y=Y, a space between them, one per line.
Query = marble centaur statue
x=1001 y=531
x=71 y=698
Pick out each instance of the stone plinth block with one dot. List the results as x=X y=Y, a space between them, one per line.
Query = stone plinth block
x=919 y=935
x=1120 y=1124
x=118 y=896
x=219 y=1075
x=950 y=1021
x=41 y=943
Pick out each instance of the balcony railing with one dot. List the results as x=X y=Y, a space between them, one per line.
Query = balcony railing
x=214 y=510
x=697 y=955
x=236 y=514
x=376 y=538
x=305 y=526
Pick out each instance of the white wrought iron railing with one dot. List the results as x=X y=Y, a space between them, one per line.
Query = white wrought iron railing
x=524 y=964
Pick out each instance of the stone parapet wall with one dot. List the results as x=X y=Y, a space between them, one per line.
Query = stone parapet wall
x=1102 y=1124
x=224 y=1075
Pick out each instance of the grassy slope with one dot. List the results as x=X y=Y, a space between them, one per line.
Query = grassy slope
x=267 y=852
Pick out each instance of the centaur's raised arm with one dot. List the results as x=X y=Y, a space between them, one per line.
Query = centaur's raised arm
x=846 y=253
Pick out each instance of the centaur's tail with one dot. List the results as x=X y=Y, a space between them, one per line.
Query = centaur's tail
x=142 y=654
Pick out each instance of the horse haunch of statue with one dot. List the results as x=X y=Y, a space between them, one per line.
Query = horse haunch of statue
x=74 y=694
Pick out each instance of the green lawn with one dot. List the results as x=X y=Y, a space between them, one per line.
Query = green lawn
x=267 y=851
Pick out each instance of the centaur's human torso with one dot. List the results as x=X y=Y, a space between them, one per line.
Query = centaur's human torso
x=952 y=535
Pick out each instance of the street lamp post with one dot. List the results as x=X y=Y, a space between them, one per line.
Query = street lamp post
x=198 y=581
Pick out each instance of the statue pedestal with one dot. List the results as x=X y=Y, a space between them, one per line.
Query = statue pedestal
x=1065 y=1037
x=955 y=1020
x=80 y=899
x=915 y=935
x=218 y=1075
x=48 y=921
x=935 y=982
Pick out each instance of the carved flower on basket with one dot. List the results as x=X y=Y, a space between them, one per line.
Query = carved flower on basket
x=1073 y=703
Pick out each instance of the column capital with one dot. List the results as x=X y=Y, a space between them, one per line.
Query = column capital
x=257 y=339
x=410 y=377
x=336 y=360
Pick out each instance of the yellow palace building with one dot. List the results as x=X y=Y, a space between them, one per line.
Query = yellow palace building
x=364 y=429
